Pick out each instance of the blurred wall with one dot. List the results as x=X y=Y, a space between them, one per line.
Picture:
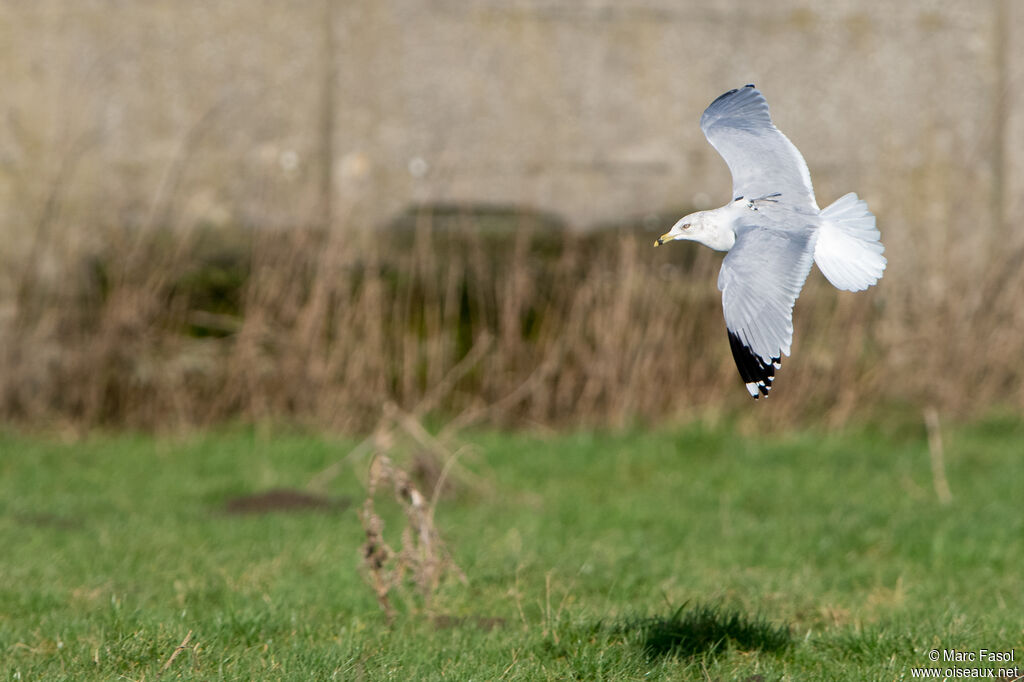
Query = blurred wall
x=269 y=112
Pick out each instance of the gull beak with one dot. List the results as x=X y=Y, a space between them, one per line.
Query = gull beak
x=663 y=238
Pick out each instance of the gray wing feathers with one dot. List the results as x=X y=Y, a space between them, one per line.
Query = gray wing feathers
x=760 y=280
x=761 y=159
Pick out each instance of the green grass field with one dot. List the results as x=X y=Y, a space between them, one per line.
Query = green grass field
x=694 y=554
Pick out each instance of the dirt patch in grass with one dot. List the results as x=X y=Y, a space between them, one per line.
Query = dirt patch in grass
x=283 y=500
x=482 y=623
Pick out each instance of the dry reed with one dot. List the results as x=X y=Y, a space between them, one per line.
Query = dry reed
x=489 y=317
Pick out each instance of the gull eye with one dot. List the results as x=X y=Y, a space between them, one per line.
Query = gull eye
x=686 y=226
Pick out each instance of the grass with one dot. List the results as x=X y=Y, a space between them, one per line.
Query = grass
x=689 y=554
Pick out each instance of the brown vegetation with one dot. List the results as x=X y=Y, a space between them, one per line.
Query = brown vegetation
x=491 y=317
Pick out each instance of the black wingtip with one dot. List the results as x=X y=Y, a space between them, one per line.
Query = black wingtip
x=730 y=93
x=723 y=96
x=757 y=374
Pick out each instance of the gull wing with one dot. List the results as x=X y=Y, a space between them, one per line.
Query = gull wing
x=760 y=280
x=762 y=160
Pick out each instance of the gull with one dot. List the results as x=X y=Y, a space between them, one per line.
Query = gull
x=773 y=231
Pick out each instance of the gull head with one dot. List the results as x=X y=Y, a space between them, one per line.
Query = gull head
x=707 y=227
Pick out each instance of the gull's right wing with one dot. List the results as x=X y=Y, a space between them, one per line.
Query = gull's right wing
x=762 y=160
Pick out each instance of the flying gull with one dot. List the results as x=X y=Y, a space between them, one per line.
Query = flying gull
x=773 y=231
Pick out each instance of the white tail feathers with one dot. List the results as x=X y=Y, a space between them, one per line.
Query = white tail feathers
x=848 y=251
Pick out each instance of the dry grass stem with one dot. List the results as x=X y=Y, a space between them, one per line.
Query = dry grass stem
x=423 y=560
x=937 y=456
x=181 y=647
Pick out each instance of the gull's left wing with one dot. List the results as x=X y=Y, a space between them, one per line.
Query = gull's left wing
x=760 y=280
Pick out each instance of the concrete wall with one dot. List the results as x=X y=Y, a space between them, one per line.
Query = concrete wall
x=272 y=112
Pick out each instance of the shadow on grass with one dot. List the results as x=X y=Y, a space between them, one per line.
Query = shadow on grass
x=706 y=630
